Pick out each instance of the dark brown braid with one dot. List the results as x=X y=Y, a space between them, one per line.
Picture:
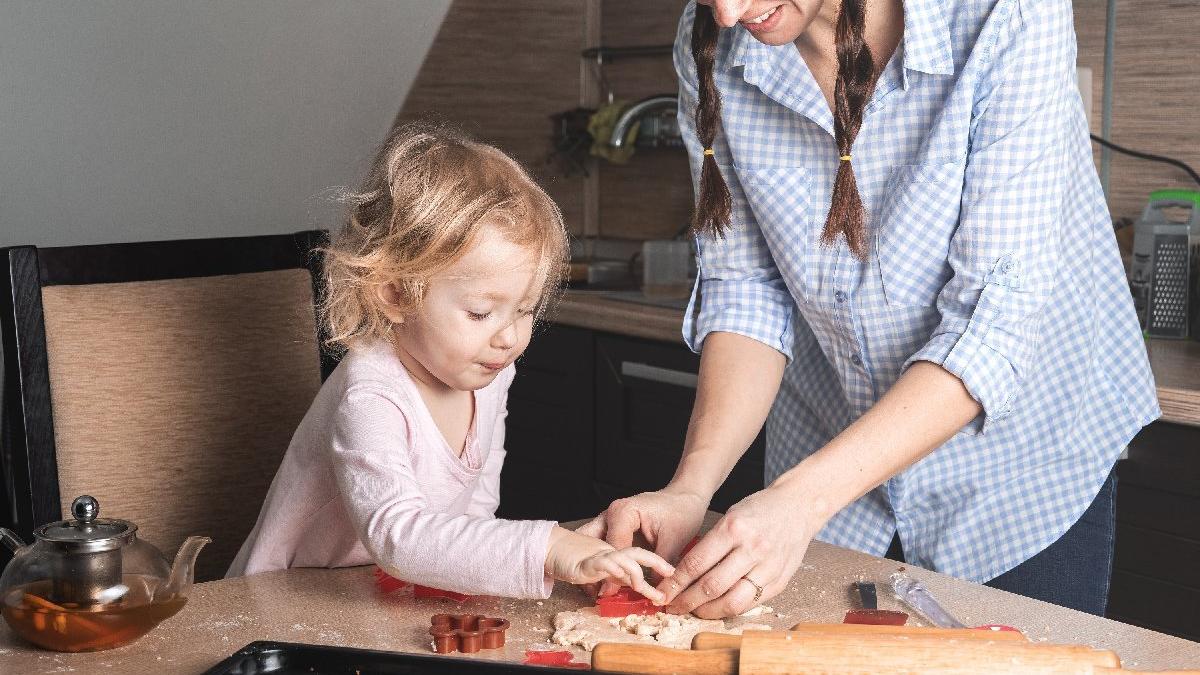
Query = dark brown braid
x=855 y=80
x=713 y=207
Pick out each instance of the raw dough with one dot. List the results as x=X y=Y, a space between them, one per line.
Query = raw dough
x=586 y=628
x=756 y=610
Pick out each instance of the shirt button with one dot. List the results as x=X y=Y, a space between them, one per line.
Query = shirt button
x=840 y=296
x=1006 y=266
x=856 y=359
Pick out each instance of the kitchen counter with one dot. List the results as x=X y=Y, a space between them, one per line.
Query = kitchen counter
x=341 y=607
x=1176 y=363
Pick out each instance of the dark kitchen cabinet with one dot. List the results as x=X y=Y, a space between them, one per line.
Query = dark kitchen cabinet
x=550 y=430
x=596 y=416
x=1156 y=567
x=644 y=395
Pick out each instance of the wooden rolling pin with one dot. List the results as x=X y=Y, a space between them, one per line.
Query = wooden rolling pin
x=617 y=657
x=783 y=652
x=726 y=641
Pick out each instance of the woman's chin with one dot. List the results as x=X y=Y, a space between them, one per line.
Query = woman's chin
x=775 y=38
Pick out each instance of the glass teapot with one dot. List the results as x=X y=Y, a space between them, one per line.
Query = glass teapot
x=89 y=583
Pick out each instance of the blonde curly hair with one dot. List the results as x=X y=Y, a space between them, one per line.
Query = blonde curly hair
x=426 y=197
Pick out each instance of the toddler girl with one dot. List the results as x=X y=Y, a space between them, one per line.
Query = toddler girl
x=432 y=288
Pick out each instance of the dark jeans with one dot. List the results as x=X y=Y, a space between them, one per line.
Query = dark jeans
x=1073 y=571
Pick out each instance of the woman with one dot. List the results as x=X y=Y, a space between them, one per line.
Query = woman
x=906 y=259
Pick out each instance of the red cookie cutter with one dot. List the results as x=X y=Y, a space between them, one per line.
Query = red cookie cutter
x=389 y=584
x=624 y=602
x=558 y=658
x=627 y=601
x=467 y=633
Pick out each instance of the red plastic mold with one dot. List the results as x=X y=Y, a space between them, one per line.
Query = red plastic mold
x=627 y=601
x=389 y=584
x=624 y=602
x=559 y=659
x=467 y=633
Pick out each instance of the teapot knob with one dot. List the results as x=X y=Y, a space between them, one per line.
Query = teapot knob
x=85 y=508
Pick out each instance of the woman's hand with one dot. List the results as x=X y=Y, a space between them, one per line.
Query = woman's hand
x=667 y=520
x=763 y=537
x=580 y=559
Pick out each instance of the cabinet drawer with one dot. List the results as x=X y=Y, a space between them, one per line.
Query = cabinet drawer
x=1157 y=555
x=1154 y=604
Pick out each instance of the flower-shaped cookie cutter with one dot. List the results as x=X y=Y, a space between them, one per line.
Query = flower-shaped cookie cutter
x=467 y=633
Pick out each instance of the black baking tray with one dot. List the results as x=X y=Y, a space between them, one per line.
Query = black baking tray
x=291 y=658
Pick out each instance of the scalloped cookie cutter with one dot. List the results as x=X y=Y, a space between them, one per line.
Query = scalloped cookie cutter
x=467 y=633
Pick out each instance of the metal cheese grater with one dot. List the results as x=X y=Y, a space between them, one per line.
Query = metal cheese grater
x=1167 y=314
x=1166 y=246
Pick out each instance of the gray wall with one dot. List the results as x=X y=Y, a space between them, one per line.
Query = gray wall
x=125 y=120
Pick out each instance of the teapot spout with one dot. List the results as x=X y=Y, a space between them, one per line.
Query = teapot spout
x=11 y=540
x=183 y=571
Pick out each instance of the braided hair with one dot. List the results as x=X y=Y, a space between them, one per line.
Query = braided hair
x=855 y=80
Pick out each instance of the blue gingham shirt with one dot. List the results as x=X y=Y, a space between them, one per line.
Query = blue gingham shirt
x=992 y=255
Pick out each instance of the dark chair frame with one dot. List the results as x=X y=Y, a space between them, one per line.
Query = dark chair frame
x=28 y=460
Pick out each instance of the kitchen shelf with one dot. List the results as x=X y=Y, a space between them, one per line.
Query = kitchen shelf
x=609 y=54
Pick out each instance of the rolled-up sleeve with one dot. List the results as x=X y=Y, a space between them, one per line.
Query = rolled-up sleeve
x=1005 y=252
x=738 y=287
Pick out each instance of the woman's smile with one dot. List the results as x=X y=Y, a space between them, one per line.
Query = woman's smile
x=764 y=22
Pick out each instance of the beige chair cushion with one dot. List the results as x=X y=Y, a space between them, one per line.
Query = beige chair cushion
x=175 y=400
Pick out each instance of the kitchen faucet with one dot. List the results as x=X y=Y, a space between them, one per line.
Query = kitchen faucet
x=637 y=111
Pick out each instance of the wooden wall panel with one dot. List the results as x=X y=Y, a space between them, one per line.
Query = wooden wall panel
x=499 y=69
x=1156 y=92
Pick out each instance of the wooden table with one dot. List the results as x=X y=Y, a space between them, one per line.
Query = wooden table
x=341 y=607
x=1176 y=363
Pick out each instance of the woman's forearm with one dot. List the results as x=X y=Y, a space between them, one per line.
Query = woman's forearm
x=739 y=378
x=925 y=407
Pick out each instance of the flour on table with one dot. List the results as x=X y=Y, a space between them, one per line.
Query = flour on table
x=586 y=628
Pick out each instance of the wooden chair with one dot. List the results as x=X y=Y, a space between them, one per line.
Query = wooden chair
x=163 y=378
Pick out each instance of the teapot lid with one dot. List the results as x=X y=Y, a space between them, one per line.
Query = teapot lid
x=87 y=533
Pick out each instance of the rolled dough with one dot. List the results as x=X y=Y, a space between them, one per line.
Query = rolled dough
x=586 y=628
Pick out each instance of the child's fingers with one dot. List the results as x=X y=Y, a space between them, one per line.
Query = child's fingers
x=637 y=580
x=611 y=568
x=652 y=560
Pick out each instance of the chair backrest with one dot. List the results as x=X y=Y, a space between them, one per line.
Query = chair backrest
x=163 y=378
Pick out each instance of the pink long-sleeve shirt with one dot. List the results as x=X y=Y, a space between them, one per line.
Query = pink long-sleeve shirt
x=369 y=477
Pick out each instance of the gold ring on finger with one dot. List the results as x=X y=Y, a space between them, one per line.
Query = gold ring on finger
x=758 y=590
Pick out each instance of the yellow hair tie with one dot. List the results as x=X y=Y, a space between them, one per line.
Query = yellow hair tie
x=845 y=158
x=708 y=152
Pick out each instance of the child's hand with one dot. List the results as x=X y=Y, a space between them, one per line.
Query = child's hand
x=579 y=559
